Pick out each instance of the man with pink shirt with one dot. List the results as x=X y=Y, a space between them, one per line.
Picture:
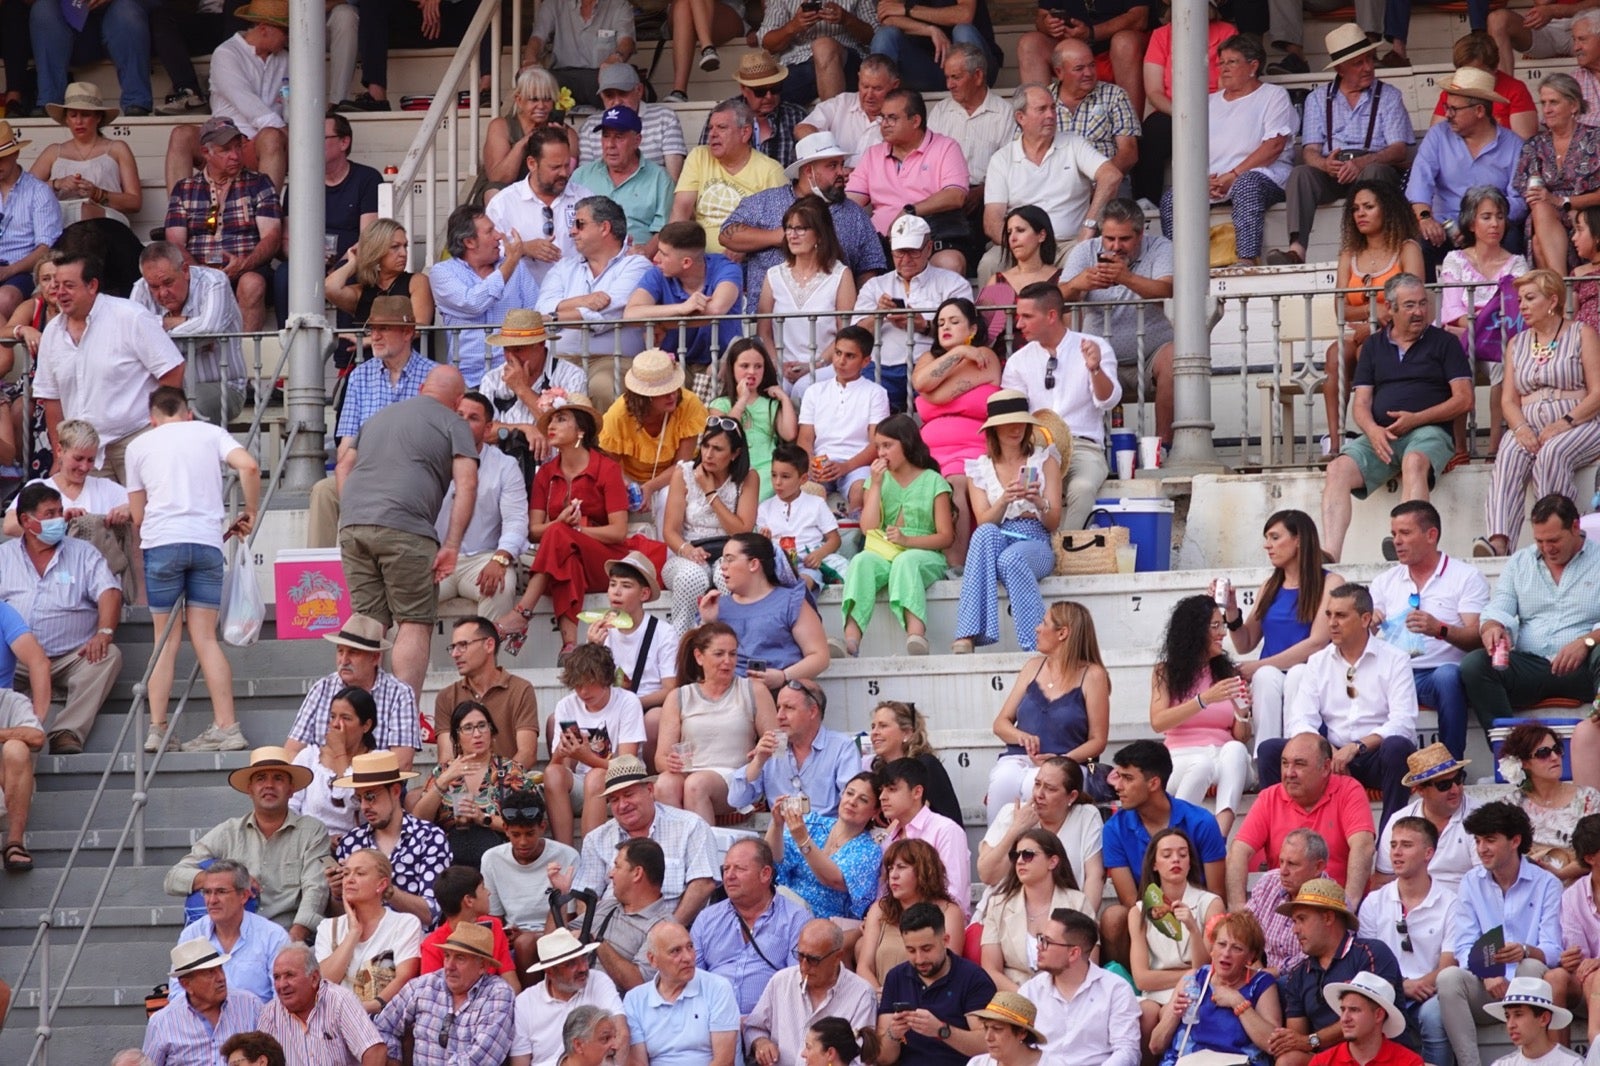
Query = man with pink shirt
x=914 y=171
x=903 y=785
x=1310 y=796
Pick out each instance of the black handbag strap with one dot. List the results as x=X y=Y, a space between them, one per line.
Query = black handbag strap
x=644 y=652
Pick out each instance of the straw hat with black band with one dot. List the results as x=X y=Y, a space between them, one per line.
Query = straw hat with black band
x=625 y=771
x=1345 y=43
x=374 y=770
x=192 y=956
x=270 y=758
x=392 y=311
x=361 y=633
x=559 y=947
x=473 y=940
x=1008 y=407
x=1369 y=985
x=9 y=144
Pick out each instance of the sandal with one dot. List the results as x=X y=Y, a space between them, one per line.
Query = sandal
x=1458 y=459
x=1483 y=548
x=916 y=644
x=17 y=859
x=962 y=646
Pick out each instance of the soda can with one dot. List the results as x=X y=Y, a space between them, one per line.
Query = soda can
x=635 y=496
x=1501 y=658
x=1221 y=589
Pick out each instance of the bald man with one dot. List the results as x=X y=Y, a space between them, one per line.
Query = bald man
x=392 y=482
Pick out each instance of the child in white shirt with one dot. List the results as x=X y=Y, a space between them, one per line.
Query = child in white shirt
x=593 y=724
x=837 y=419
x=799 y=523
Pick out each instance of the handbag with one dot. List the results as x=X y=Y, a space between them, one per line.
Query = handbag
x=1089 y=551
x=883 y=547
x=1497 y=320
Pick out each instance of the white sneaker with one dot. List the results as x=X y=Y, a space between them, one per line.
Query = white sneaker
x=709 y=60
x=215 y=739
x=181 y=103
x=152 y=740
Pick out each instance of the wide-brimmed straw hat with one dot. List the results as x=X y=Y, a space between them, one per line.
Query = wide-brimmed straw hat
x=270 y=758
x=374 y=769
x=625 y=771
x=1432 y=761
x=638 y=562
x=654 y=373
x=521 y=327
x=1012 y=1008
x=470 y=938
x=361 y=633
x=1375 y=988
x=82 y=96
x=1347 y=42
x=272 y=12
x=1474 y=83
x=573 y=402
x=559 y=947
x=760 y=68
x=1322 y=893
x=9 y=145
x=1008 y=407
x=192 y=956
x=1532 y=992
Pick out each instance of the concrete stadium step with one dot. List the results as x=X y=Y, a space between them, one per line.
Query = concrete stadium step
x=82 y=1036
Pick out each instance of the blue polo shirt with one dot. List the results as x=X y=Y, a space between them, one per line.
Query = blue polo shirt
x=964 y=988
x=1125 y=838
x=13 y=627
x=679 y=1033
x=1301 y=988
x=665 y=290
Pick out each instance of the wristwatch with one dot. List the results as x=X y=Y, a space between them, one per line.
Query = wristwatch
x=909 y=209
x=1091 y=224
x=503 y=558
x=1588 y=642
x=1315 y=1041
x=943 y=1032
x=105 y=631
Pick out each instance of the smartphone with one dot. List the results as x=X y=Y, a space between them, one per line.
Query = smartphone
x=902 y=1007
x=1106 y=258
x=811 y=5
x=897 y=302
x=567 y=727
x=756 y=666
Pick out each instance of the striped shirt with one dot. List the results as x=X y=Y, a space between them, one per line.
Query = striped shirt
x=1539 y=615
x=209 y=308
x=662 y=136
x=474 y=1033
x=61 y=605
x=370 y=391
x=780 y=13
x=32 y=217
x=336 y=1032
x=1103 y=116
x=397 y=712
x=684 y=837
x=178 y=1035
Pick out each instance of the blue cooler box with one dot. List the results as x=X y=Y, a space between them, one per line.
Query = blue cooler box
x=1148 y=520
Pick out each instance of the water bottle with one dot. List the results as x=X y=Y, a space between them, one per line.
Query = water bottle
x=1191 y=988
x=283 y=94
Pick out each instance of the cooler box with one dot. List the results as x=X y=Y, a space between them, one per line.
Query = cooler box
x=313 y=598
x=1561 y=727
x=1148 y=520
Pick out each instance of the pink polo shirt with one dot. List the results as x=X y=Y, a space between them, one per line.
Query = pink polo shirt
x=950 y=841
x=889 y=184
x=1342 y=810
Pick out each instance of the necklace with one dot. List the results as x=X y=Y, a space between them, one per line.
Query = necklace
x=1543 y=351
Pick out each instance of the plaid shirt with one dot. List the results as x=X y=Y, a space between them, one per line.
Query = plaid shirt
x=1283 y=947
x=369 y=392
x=397 y=712
x=1104 y=115
x=232 y=230
x=423 y=851
x=476 y=1033
x=780 y=145
x=684 y=837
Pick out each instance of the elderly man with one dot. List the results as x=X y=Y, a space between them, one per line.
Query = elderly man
x=755 y=228
x=1438 y=781
x=1061 y=173
x=1302 y=857
x=317 y=1022
x=686 y=282
x=478 y=286
x=417 y=851
x=760 y=78
x=642 y=188
x=914 y=171
x=514 y=386
x=917 y=40
x=498 y=531
x=1096 y=110
x=543 y=208
x=973 y=115
x=34 y=216
x=122 y=27
x=1412 y=381
x=1114 y=33
x=285 y=852
x=819 y=986
x=575 y=41
x=458 y=1014
x=227 y=216
x=190 y=1030
x=589 y=292
x=1064 y=371
x=569 y=984
x=662 y=138
x=820 y=46
x=723 y=171
x=192 y=300
x=822 y=760
x=248 y=941
x=1308 y=796
x=1121 y=266
x=358 y=652
x=685 y=1016
x=66 y=595
x=1081 y=1005
x=392 y=482
x=126 y=347
x=916 y=283
x=752 y=934
x=852 y=118
x=474 y=648
x=590 y=1036
x=924 y=1011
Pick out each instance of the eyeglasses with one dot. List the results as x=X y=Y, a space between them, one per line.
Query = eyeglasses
x=816 y=960
x=1023 y=855
x=1405 y=934
x=476 y=727
x=1547 y=751
x=1445 y=784
x=549 y=221
x=1219 y=625
x=1045 y=942
x=463 y=645
x=1451 y=110
x=1050 y=372
x=797 y=229
x=449 y=1024
x=1350 y=683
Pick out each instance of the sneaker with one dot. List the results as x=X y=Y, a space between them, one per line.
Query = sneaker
x=676 y=97
x=181 y=102
x=709 y=60
x=215 y=739
x=364 y=102
x=152 y=740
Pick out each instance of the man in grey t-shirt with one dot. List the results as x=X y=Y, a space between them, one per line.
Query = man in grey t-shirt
x=574 y=46
x=391 y=486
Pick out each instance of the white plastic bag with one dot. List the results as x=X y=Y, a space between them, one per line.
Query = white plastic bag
x=243 y=611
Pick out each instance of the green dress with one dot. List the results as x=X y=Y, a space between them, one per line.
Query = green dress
x=760 y=434
x=913 y=570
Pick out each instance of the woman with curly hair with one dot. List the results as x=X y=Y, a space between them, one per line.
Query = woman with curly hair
x=1531 y=761
x=912 y=873
x=1195 y=697
x=1377 y=240
x=1017 y=912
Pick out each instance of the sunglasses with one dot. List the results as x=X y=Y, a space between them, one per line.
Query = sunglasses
x=1445 y=784
x=1405 y=934
x=525 y=815
x=1050 y=372
x=449 y=1024
x=1023 y=855
x=1547 y=751
x=818 y=697
x=1350 y=683
x=728 y=424
x=214 y=217
x=764 y=90
x=549 y=221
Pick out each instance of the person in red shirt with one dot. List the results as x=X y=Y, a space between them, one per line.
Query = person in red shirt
x=1369 y=1021
x=463 y=900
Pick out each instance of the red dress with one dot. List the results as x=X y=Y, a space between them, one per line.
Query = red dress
x=575 y=562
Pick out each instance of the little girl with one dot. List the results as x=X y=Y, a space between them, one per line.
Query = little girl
x=799 y=523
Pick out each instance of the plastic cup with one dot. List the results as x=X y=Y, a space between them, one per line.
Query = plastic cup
x=1125 y=464
x=1149 y=452
x=685 y=751
x=1127 y=558
x=782 y=738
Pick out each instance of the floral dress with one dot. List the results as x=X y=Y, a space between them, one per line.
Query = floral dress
x=469 y=842
x=858 y=861
x=1553 y=826
x=1572 y=176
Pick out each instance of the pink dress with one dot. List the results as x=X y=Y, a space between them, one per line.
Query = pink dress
x=953 y=431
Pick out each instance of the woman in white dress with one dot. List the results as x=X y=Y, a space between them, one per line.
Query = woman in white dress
x=92 y=175
x=811 y=281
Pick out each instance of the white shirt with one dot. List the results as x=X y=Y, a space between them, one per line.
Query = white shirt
x=1429 y=927
x=1098 y=1026
x=516 y=208
x=247 y=88
x=784 y=1012
x=661 y=661
x=925 y=292
x=555 y=375
x=1385 y=703
x=106 y=378
x=99 y=495
x=499 y=511
x=850 y=125
x=840 y=412
x=1080 y=834
x=1073 y=397
x=178 y=465
x=806 y=518
x=619 y=722
x=398 y=933
x=1455 y=588
x=618 y=278
x=1556 y=1056
x=1239 y=127
x=209 y=308
x=980 y=133
x=1061 y=183
x=539 y=1016
x=1452 y=857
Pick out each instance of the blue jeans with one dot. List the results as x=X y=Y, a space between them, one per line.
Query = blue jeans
x=1441 y=689
x=1435 y=1045
x=195 y=570
x=915 y=55
x=122 y=26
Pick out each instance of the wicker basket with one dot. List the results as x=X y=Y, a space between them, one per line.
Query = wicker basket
x=1088 y=551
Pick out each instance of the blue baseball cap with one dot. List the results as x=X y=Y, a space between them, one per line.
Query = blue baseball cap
x=621 y=118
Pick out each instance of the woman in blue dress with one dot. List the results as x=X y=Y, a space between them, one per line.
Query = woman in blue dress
x=830 y=862
x=1239 y=1006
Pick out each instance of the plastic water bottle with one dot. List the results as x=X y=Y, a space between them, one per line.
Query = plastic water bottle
x=283 y=93
x=1191 y=988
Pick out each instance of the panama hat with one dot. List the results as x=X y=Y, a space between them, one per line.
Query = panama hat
x=625 y=771
x=361 y=633
x=270 y=758
x=82 y=96
x=653 y=373
x=1323 y=893
x=559 y=947
x=1378 y=990
x=637 y=561
x=812 y=147
x=272 y=12
x=1008 y=407
x=470 y=938
x=1014 y=1009
x=1530 y=992
x=760 y=68
x=192 y=956
x=1347 y=42
x=520 y=328
x=374 y=769
x=1474 y=83
x=1432 y=761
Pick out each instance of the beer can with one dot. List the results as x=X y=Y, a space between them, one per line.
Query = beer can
x=1221 y=589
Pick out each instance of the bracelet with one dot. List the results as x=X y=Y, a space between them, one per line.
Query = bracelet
x=1243 y=718
x=1235 y=625
x=1201 y=700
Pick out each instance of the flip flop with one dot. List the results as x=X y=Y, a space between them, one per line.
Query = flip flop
x=13 y=863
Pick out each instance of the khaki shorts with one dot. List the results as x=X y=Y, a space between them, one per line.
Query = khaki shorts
x=1433 y=441
x=1128 y=378
x=390 y=574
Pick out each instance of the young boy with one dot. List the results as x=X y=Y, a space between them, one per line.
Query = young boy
x=594 y=723
x=838 y=416
x=517 y=873
x=463 y=901
x=646 y=650
x=798 y=521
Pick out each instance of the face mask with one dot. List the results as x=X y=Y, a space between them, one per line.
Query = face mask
x=53 y=530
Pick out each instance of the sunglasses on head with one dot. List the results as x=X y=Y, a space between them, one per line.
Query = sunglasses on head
x=723 y=423
x=522 y=815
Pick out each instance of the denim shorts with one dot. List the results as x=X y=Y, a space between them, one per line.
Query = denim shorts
x=194 y=570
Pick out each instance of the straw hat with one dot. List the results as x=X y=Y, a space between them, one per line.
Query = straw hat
x=1432 y=761
x=1532 y=992
x=9 y=145
x=572 y=401
x=812 y=147
x=270 y=758
x=272 y=12
x=1322 y=893
x=1014 y=1009
x=374 y=769
x=392 y=311
x=654 y=373
x=470 y=938
x=1474 y=83
x=521 y=328
x=1381 y=992
x=760 y=68
x=82 y=96
x=1347 y=42
x=361 y=633
x=637 y=561
x=559 y=947
x=625 y=771
x=1008 y=407
x=192 y=956
x=1053 y=430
